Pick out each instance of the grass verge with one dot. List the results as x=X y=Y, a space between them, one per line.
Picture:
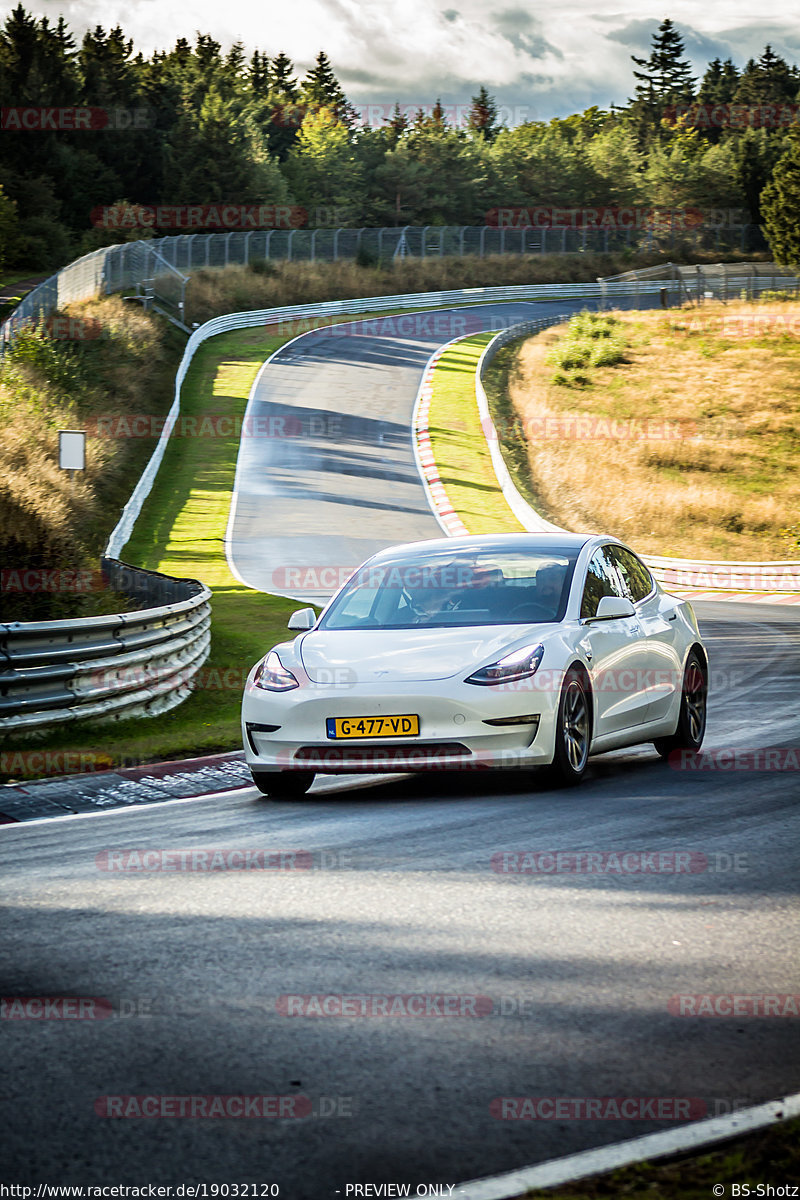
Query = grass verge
x=181 y=532
x=50 y=524
x=458 y=442
x=768 y=1156
x=686 y=443
x=270 y=283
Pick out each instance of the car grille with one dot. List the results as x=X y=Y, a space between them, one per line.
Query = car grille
x=404 y=753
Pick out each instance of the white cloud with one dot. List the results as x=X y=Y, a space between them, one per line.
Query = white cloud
x=549 y=62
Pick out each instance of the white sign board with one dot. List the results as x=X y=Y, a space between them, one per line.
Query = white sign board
x=72 y=449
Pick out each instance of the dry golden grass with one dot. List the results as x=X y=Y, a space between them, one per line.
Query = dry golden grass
x=213 y=291
x=722 y=386
x=48 y=522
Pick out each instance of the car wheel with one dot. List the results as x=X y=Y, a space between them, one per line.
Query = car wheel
x=283 y=785
x=573 y=732
x=692 y=718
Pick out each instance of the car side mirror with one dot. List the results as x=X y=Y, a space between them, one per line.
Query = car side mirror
x=303 y=618
x=611 y=608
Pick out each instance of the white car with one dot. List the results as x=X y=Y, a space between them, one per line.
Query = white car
x=512 y=651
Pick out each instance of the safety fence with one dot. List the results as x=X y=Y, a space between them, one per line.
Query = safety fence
x=711 y=281
x=136 y=267
x=142 y=662
x=156 y=270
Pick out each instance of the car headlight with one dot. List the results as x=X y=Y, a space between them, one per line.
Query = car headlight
x=273 y=676
x=518 y=665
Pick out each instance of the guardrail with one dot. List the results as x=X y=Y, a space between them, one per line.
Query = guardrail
x=714 y=281
x=603 y=292
x=143 y=662
x=155 y=266
x=130 y=664
x=708 y=574
x=333 y=308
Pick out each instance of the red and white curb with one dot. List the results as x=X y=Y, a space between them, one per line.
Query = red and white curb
x=438 y=499
x=696 y=1136
x=453 y=526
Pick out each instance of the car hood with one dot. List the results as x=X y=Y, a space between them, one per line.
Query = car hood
x=388 y=655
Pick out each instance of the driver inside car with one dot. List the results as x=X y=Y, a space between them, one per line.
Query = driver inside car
x=549 y=582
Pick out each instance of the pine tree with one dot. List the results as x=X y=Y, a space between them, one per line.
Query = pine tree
x=321 y=89
x=780 y=206
x=286 y=108
x=259 y=74
x=665 y=79
x=234 y=60
x=719 y=83
x=483 y=116
x=756 y=153
x=206 y=52
x=769 y=81
x=283 y=82
x=17 y=55
x=398 y=125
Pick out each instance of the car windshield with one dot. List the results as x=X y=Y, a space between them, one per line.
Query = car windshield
x=452 y=587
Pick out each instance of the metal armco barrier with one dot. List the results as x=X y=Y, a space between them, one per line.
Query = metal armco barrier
x=285 y=317
x=717 y=281
x=129 y=664
x=605 y=291
x=727 y=576
x=157 y=268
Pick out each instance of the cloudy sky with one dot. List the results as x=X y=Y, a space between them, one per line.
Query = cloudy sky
x=538 y=61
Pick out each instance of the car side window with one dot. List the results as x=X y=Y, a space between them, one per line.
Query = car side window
x=601 y=580
x=634 y=573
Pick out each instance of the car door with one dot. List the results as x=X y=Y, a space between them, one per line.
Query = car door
x=658 y=617
x=615 y=651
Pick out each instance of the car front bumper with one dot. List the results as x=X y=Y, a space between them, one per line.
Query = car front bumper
x=287 y=730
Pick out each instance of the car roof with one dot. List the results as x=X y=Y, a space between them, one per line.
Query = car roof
x=547 y=542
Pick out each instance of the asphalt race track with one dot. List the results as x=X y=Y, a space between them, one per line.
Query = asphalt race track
x=562 y=982
x=328 y=476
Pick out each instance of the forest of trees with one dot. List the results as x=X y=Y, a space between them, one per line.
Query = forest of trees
x=201 y=125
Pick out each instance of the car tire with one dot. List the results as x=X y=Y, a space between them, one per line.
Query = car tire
x=692 y=717
x=573 y=731
x=283 y=785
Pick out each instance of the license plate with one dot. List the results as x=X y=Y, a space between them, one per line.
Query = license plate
x=372 y=727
